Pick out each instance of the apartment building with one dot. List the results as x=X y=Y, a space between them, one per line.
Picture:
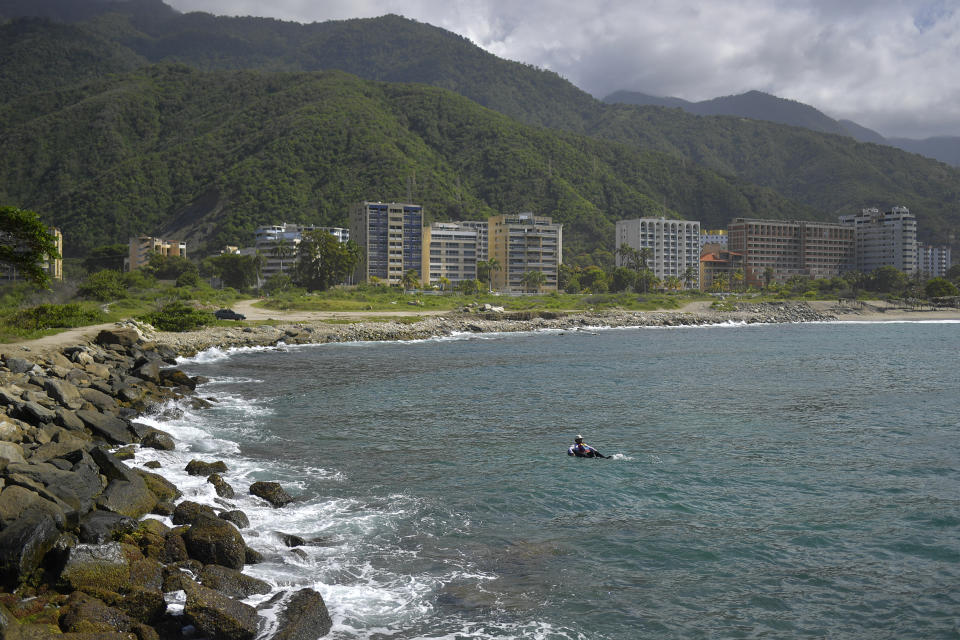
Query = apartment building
x=141 y=247
x=887 y=239
x=390 y=236
x=716 y=263
x=450 y=251
x=674 y=245
x=278 y=244
x=522 y=243
x=52 y=266
x=713 y=237
x=933 y=262
x=791 y=248
x=482 y=228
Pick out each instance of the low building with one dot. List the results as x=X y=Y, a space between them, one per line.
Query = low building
x=789 y=248
x=450 y=251
x=713 y=237
x=716 y=263
x=523 y=243
x=52 y=266
x=933 y=262
x=673 y=246
x=142 y=247
x=278 y=244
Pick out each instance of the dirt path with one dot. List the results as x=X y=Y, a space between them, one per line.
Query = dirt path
x=246 y=308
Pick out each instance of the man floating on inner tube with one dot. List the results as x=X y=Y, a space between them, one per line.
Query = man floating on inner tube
x=581 y=450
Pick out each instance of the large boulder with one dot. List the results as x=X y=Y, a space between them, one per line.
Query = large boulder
x=188 y=512
x=84 y=614
x=231 y=582
x=221 y=486
x=107 y=426
x=34 y=413
x=73 y=491
x=177 y=378
x=99 y=399
x=303 y=616
x=25 y=542
x=157 y=439
x=235 y=516
x=201 y=468
x=220 y=617
x=165 y=490
x=11 y=452
x=103 y=566
x=120 y=337
x=98 y=527
x=215 y=541
x=272 y=492
x=128 y=497
x=19 y=365
x=63 y=392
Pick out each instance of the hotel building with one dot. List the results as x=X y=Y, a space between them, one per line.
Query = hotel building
x=791 y=248
x=674 y=245
x=390 y=236
x=887 y=239
x=521 y=243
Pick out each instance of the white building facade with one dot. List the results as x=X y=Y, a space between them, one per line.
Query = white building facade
x=674 y=245
x=887 y=239
x=933 y=262
x=278 y=245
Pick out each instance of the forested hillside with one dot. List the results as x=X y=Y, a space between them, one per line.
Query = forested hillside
x=209 y=155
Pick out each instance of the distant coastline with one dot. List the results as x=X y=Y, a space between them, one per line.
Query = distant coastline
x=325 y=327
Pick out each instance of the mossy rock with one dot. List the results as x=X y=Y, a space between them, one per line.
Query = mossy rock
x=101 y=566
x=165 y=490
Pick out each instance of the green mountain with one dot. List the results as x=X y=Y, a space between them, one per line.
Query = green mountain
x=210 y=155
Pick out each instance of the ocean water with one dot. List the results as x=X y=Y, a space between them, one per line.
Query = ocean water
x=777 y=481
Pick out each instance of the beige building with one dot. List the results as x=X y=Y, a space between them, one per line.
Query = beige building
x=141 y=247
x=887 y=239
x=791 y=248
x=522 y=243
x=53 y=267
x=482 y=227
x=450 y=251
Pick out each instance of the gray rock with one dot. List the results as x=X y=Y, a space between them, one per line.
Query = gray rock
x=221 y=486
x=19 y=365
x=158 y=440
x=100 y=400
x=109 y=427
x=220 y=617
x=128 y=497
x=231 y=582
x=188 y=512
x=12 y=452
x=98 y=527
x=97 y=370
x=63 y=392
x=201 y=468
x=272 y=492
x=214 y=541
x=34 y=413
x=149 y=371
x=303 y=616
x=96 y=565
x=10 y=395
x=235 y=516
x=24 y=543
x=68 y=419
x=120 y=337
x=73 y=491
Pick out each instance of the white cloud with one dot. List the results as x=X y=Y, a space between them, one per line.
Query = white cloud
x=887 y=64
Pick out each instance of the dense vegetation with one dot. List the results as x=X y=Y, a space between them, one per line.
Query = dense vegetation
x=107 y=152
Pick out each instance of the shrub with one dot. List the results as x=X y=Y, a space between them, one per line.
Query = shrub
x=103 y=286
x=178 y=316
x=188 y=279
x=49 y=316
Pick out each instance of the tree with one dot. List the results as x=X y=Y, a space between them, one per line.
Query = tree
x=768 y=274
x=593 y=278
x=690 y=276
x=108 y=256
x=283 y=250
x=103 y=285
x=323 y=261
x=485 y=269
x=720 y=283
x=444 y=283
x=533 y=280
x=953 y=273
x=889 y=280
x=468 y=287
x=673 y=283
x=25 y=243
x=233 y=269
x=940 y=288
x=621 y=279
x=737 y=279
x=165 y=267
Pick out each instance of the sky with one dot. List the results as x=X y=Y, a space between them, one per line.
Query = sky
x=890 y=65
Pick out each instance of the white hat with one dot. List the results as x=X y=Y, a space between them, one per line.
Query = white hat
x=579 y=437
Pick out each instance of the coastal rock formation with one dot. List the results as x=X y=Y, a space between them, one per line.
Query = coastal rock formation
x=272 y=492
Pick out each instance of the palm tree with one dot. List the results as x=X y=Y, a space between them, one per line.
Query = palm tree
x=767 y=276
x=410 y=279
x=534 y=280
x=492 y=265
x=282 y=249
x=444 y=282
x=673 y=282
x=737 y=279
x=690 y=276
x=638 y=260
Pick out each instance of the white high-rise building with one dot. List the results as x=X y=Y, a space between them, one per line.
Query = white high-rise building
x=278 y=244
x=887 y=239
x=933 y=262
x=674 y=245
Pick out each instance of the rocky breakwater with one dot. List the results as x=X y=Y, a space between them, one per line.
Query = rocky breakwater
x=77 y=557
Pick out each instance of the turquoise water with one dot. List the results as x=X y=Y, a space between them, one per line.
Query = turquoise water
x=767 y=480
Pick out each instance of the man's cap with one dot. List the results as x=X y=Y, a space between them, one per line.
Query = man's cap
x=579 y=437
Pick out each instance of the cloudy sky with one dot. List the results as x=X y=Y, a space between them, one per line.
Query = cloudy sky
x=891 y=65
